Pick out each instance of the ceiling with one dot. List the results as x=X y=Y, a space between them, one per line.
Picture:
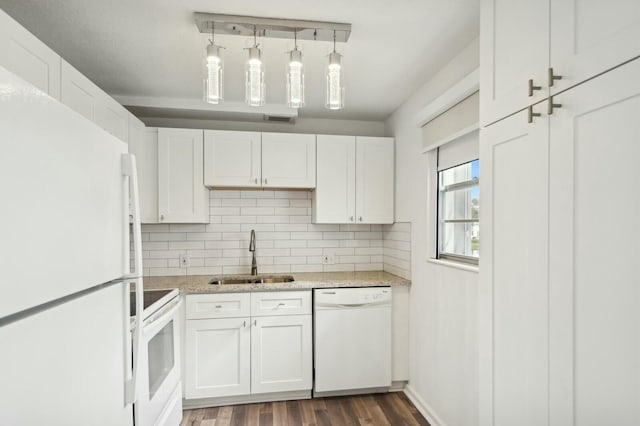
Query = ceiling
x=147 y=49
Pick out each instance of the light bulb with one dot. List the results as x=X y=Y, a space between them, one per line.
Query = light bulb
x=295 y=80
x=254 y=72
x=213 y=87
x=335 y=88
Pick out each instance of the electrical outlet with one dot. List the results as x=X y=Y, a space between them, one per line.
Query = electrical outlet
x=184 y=261
x=328 y=259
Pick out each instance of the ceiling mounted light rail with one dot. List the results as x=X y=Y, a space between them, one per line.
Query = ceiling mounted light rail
x=254 y=71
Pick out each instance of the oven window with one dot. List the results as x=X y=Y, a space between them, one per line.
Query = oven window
x=160 y=358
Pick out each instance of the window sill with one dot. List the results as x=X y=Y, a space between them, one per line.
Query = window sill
x=456 y=265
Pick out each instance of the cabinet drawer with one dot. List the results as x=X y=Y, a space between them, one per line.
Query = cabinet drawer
x=223 y=305
x=280 y=303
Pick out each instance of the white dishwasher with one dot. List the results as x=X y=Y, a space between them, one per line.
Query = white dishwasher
x=352 y=340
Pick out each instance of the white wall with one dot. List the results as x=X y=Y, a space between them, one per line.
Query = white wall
x=443 y=355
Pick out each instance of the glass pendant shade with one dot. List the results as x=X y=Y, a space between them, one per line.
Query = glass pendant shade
x=295 y=80
x=255 y=85
x=335 y=88
x=213 y=82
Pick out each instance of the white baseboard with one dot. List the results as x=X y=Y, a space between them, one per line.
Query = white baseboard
x=423 y=407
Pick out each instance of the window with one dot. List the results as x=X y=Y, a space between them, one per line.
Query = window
x=458 y=207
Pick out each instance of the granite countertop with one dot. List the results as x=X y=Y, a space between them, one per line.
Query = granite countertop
x=303 y=281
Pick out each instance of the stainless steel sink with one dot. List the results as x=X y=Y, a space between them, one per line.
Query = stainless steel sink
x=257 y=279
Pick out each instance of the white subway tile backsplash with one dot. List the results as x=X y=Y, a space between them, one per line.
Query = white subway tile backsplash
x=286 y=240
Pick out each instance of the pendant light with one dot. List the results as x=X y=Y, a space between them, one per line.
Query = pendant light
x=213 y=83
x=335 y=88
x=295 y=76
x=254 y=72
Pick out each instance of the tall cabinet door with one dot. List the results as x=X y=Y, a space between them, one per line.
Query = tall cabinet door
x=335 y=195
x=28 y=58
x=589 y=37
x=232 y=158
x=374 y=180
x=182 y=197
x=594 y=274
x=281 y=354
x=288 y=160
x=218 y=358
x=514 y=48
x=143 y=143
x=513 y=293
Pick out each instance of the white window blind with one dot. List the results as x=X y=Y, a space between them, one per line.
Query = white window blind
x=459 y=151
x=452 y=123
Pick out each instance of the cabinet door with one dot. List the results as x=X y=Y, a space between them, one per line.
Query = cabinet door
x=143 y=143
x=514 y=48
x=112 y=117
x=27 y=57
x=594 y=284
x=232 y=159
x=589 y=37
x=217 y=359
x=334 y=200
x=374 y=180
x=78 y=92
x=182 y=197
x=513 y=292
x=288 y=160
x=281 y=354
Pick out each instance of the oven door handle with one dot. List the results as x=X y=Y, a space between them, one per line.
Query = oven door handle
x=160 y=318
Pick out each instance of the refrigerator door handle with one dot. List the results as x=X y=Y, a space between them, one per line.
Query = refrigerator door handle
x=129 y=169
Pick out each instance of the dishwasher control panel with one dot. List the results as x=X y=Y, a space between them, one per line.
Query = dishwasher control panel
x=352 y=296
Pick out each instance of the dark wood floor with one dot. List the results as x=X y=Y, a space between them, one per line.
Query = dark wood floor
x=393 y=409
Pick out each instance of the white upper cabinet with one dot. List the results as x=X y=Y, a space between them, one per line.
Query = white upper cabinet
x=374 y=180
x=589 y=37
x=27 y=57
x=232 y=159
x=514 y=56
x=531 y=48
x=355 y=180
x=143 y=143
x=182 y=196
x=83 y=96
x=334 y=200
x=288 y=160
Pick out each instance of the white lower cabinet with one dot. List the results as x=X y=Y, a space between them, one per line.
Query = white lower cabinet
x=267 y=352
x=217 y=358
x=281 y=354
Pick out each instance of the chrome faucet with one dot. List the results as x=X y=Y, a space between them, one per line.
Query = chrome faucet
x=252 y=249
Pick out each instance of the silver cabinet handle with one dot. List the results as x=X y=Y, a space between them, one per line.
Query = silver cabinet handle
x=553 y=77
x=532 y=114
x=244 y=323
x=360 y=218
x=256 y=181
x=532 y=87
x=351 y=218
x=218 y=306
x=255 y=322
x=551 y=105
x=265 y=181
x=161 y=217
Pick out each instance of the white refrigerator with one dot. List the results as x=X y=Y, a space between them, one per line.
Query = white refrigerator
x=65 y=347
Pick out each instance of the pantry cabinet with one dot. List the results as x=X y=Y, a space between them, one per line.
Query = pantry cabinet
x=232 y=159
x=558 y=283
x=241 y=344
x=264 y=160
x=27 y=57
x=530 y=49
x=182 y=196
x=355 y=180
